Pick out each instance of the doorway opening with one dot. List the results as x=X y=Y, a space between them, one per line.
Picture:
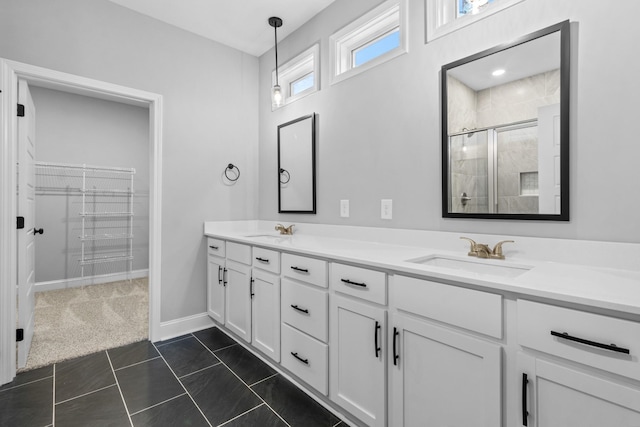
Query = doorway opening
x=10 y=73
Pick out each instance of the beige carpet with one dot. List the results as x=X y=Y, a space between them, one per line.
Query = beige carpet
x=78 y=321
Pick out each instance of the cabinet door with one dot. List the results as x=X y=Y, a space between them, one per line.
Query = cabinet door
x=442 y=378
x=357 y=359
x=555 y=395
x=265 y=310
x=238 y=299
x=215 y=288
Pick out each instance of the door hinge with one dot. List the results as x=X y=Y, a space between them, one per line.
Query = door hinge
x=19 y=335
x=20 y=223
x=20 y=110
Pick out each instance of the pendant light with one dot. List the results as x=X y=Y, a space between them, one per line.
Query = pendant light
x=276 y=91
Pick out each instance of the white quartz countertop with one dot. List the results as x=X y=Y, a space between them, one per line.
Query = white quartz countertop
x=600 y=287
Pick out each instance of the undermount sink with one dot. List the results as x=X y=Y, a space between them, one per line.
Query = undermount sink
x=480 y=266
x=268 y=236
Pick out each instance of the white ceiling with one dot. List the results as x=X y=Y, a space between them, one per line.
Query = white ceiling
x=241 y=24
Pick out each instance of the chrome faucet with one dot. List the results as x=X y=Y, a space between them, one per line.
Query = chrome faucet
x=285 y=230
x=481 y=250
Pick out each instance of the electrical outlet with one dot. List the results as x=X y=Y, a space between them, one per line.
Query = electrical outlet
x=386 y=208
x=344 y=208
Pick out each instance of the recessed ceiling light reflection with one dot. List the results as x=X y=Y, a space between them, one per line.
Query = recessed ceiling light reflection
x=498 y=72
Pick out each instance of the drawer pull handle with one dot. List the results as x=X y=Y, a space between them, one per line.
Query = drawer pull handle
x=375 y=338
x=349 y=282
x=305 y=361
x=303 y=310
x=224 y=277
x=525 y=413
x=303 y=270
x=214 y=247
x=396 y=356
x=610 y=347
x=263 y=260
x=219 y=275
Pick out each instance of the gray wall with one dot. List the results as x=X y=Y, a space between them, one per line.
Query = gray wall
x=74 y=129
x=210 y=115
x=379 y=132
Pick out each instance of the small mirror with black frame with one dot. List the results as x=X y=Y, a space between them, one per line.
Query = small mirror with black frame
x=505 y=130
x=297 y=165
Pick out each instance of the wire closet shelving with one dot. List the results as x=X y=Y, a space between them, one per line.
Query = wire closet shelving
x=106 y=209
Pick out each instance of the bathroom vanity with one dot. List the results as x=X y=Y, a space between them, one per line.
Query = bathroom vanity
x=402 y=328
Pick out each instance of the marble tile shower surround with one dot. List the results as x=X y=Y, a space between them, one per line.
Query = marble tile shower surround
x=462 y=106
x=517 y=153
x=614 y=255
x=469 y=172
x=502 y=104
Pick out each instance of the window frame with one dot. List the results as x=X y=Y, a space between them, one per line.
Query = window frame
x=295 y=69
x=442 y=16
x=371 y=26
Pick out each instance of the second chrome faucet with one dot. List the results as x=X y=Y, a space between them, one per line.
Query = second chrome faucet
x=481 y=250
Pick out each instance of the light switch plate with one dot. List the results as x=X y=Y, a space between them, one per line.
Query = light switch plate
x=386 y=208
x=344 y=208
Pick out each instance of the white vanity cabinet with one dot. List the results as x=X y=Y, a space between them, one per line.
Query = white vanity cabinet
x=438 y=375
x=265 y=302
x=358 y=350
x=305 y=351
x=581 y=392
x=216 y=278
x=238 y=290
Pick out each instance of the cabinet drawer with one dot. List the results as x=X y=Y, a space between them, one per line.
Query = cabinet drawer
x=466 y=308
x=215 y=247
x=305 y=308
x=306 y=357
x=266 y=259
x=360 y=282
x=239 y=253
x=592 y=339
x=310 y=270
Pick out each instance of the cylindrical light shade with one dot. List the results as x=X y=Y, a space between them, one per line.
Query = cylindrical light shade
x=276 y=96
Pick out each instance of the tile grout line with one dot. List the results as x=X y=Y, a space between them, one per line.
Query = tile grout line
x=200 y=370
x=126 y=408
x=53 y=409
x=85 y=394
x=137 y=363
x=183 y=387
x=173 y=340
x=158 y=404
x=240 y=415
x=264 y=379
x=252 y=391
x=28 y=383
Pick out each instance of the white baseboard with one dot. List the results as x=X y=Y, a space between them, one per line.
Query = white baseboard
x=184 y=325
x=76 y=282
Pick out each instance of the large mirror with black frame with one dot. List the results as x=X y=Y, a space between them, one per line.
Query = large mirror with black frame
x=297 y=165
x=505 y=130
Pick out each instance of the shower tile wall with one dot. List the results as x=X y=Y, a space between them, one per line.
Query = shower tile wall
x=518 y=100
x=461 y=106
x=517 y=154
x=469 y=173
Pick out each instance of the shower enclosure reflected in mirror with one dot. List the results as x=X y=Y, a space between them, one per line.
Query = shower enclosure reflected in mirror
x=297 y=165
x=505 y=130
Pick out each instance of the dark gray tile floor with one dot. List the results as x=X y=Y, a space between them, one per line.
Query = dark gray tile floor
x=200 y=379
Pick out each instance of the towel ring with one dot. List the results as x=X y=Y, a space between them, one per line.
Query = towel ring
x=231 y=167
x=286 y=175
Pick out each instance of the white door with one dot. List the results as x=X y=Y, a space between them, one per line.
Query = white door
x=26 y=209
x=555 y=395
x=549 y=159
x=238 y=300
x=215 y=288
x=357 y=364
x=265 y=318
x=442 y=378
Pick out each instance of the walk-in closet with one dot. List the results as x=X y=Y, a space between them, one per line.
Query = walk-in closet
x=92 y=225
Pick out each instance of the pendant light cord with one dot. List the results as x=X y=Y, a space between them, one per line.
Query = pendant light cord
x=275 y=37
